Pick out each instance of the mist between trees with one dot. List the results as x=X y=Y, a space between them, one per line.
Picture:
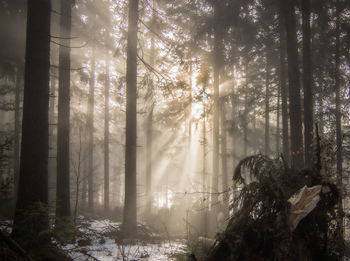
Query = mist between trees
x=140 y=111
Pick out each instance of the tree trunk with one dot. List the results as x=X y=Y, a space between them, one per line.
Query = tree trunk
x=106 y=140
x=52 y=140
x=149 y=127
x=90 y=134
x=307 y=83
x=338 y=118
x=223 y=147
x=149 y=142
x=63 y=177
x=297 y=160
x=216 y=115
x=33 y=179
x=129 y=221
x=224 y=156
x=283 y=87
x=204 y=177
x=19 y=82
x=278 y=131
x=267 y=104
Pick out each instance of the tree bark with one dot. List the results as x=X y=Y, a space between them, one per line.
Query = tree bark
x=297 y=160
x=224 y=155
x=19 y=83
x=204 y=176
x=90 y=134
x=216 y=66
x=106 y=140
x=278 y=131
x=149 y=126
x=283 y=87
x=307 y=83
x=338 y=118
x=129 y=221
x=33 y=179
x=267 y=103
x=63 y=175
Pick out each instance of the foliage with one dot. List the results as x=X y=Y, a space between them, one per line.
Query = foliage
x=259 y=226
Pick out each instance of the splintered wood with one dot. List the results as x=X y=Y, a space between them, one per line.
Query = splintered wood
x=302 y=203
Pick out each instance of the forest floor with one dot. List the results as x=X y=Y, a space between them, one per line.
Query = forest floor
x=96 y=240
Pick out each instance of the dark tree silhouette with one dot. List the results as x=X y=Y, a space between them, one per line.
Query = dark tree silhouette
x=129 y=221
x=63 y=185
x=33 y=179
x=283 y=86
x=307 y=83
x=297 y=158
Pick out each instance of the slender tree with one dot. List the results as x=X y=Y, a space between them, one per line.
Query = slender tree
x=216 y=109
x=149 y=122
x=338 y=124
x=297 y=160
x=19 y=83
x=267 y=102
x=224 y=152
x=33 y=179
x=90 y=134
x=129 y=221
x=106 y=139
x=307 y=83
x=63 y=177
x=283 y=86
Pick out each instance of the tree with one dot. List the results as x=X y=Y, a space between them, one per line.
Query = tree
x=307 y=83
x=283 y=86
x=63 y=130
x=297 y=159
x=149 y=119
x=218 y=34
x=106 y=140
x=33 y=179
x=267 y=98
x=129 y=219
x=90 y=129
x=16 y=162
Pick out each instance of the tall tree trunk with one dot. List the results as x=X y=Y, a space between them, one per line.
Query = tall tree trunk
x=84 y=177
x=337 y=94
x=19 y=83
x=204 y=176
x=224 y=155
x=297 y=160
x=245 y=126
x=324 y=38
x=234 y=134
x=63 y=177
x=90 y=135
x=283 y=87
x=267 y=104
x=278 y=131
x=216 y=114
x=149 y=126
x=129 y=221
x=52 y=140
x=307 y=83
x=338 y=116
x=149 y=142
x=106 y=140
x=33 y=179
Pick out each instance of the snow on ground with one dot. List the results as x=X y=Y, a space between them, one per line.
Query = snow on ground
x=104 y=248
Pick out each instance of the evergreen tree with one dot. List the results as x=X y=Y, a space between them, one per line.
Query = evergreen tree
x=33 y=180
